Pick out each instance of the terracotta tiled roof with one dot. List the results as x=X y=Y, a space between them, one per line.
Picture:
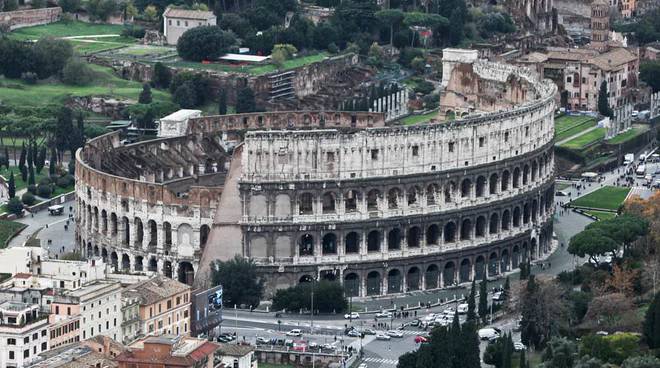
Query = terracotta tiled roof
x=234 y=349
x=22 y=275
x=154 y=290
x=613 y=59
x=188 y=14
x=203 y=351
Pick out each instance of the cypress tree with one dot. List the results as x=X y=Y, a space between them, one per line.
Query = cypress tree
x=12 y=186
x=603 y=104
x=471 y=312
x=21 y=160
x=29 y=156
x=652 y=323
x=7 y=157
x=53 y=163
x=145 y=95
x=523 y=363
x=31 y=180
x=222 y=102
x=81 y=129
x=507 y=285
x=456 y=341
x=483 y=300
x=24 y=173
x=470 y=345
x=41 y=160
x=34 y=154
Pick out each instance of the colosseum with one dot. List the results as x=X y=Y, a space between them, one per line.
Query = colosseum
x=383 y=208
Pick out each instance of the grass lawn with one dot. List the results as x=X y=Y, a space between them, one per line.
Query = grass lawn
x=606 y=198
x=418 y=119
x=602 y=215
x=62 y=29
x=16 y=92
x=7 y=230
x=569 y=121
x=584 y=140
x=566 y=133
x=18 y=180
x=623 y=137
x=250 y=69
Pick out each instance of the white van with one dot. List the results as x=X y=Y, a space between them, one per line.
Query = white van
x=462 y=308
x=488 y=333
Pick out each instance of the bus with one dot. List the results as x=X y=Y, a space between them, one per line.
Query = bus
x=641 y=171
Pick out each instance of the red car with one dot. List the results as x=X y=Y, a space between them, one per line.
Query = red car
x=421 y=339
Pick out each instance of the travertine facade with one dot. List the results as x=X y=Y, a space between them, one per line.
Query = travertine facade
x=332 y=195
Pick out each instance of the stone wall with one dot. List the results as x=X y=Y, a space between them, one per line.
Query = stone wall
x=32 y=17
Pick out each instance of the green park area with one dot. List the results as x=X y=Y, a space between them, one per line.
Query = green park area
x=419 y=119
x=567 y=126
x=20 y=93
x=625 y=136
x=7 y=230
x=601 y=215
x=605 y=198
x=586 y=139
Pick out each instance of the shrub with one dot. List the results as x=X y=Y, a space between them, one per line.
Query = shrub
x=44 y=191
x=32 y=188
x=77 y=73
x=424 y=87
x=28 y=198
x=133 y=31
x=29 y=78
x=15 y=206
x=65 y=181
x=204 y=43
x=44 y=181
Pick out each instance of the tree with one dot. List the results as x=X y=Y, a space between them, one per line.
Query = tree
x=24 y=173
x=7 y=157
x=21 y=160
x=240 y=282
x=603 y=104
x=145 y=95
x=50 y=55
x=15 y=206
x=11 y=187
x=328 y=297
x=559 y=353
x=644 y=361
x=592 y=243
x=150 y=13
x=391 y=18
x=483 y=300
x=41 y=159
x=222 y=102
x=31 y=180
x=407 y=360
x=52 y=165
x=204 y=43
x=471 y=312
x=69 y=6
x=649 y=72
x=522 y=363
x=651 y=327
x=77 y=73
x=245 y=101
x=281 y=53
x=162 y=76
x=185 y=95
x=11 y=5
x=543 y=312
x=100 y=9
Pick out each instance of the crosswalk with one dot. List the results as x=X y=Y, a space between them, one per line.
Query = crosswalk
x=639 y=191
x=380 y=361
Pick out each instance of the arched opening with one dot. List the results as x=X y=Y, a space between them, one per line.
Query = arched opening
x=480 y=230
x=372 y=200
x=466 y=188
x=329 y=275
x=535 y=169
x=153 y=264
x=481 y=187
x=431 y=277
x=492 y=226
x=432 y=235
x=153 y=234
x=139 y=265
x=525 y=177
x=448 y=274
x=204 y=231
x=492 y=184
x=96 y=250
x=127 y=231
x=516 y=217
x=394 y=281
x=104 y=222
x=125 y=263
x=450 y=187
x=450 y=232
x=466 y=229
x=515 y=257
x=373 y=241
x=167 y=269
x=305 y=204
x=306 y=245
x=139 y=233
x=104 y=254
x=516 y=177
x=114 y=260
x=113 y=224
x=414 y=237
x=506 y=177
x=431 y=191
x=89 y=249
x=352 y=242
x=535 y=210
x=526 y=213
x=492 y=265
x=352 y=285
x=329 y=243
x=533 y=250
x=167 y=229
x=464 y=273
x=525 y=253
x=413 y=279
x=479 y=268
x=394 y=239
x=328 y=201
x=506 y=220
x=412 y=196
x=393 y=198
x=504 y=261
x=350 y=201
x=373 y=283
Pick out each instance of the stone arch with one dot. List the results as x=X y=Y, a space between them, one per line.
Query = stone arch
x=282 y=205
x=125 y=262
x=126 y=239
x=516 y=216
x=372 y=199
x=431 y=277
x=432 y=235
x=329 y=243
x=204 y=232
x=481 y=186
x=258 y=247
x=139 y=264
x=167 y=230
x=479 y=268
x=533 y=250
x=525 y=175
x=184 y=236
x=535 y=169
x=493 y=223
x=305 y=204
x=328 y=201
x=504 y=260
x=464 y=271
x=393 y=196
x=450 y=232
x=412 y=194
x=516 y=177
x=515 y=257
x=394 y=239
x=373 y=241
x=167 y=269
x=448 y=274
x=525 y=253
x=104 y=254
x=413 y=279
x=306 y=245
x=450 y=187
x=480 y=228
x=153 y=265
x=90 y=251
x=153 y=233
x=104 y=221
x=414 y=235
x=504 y=184
x=431 y=192
x=139 y=232
x=466 y=229
x=466 y=188
x=394 y=284
x=351 y=199
x=258 y=206
x=526 y=213
x=535 y=210
x=493 y=261
x=96 y=250
x=492 y=184
x=352 y=242
x=506 y=220
x=352 y=284
x=373 y=283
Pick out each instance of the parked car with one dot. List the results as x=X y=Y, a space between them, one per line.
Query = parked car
x=414 y=323
x=353 y=315
x=488 y=333
x=262 y=340
x=363 y=365
x=354 y=333
x=313 y=345
x=519 y=346
x=462 y=308
x=384 y=314
x=294 y=332
x=382 y=336
x=420 y=339
x=369 y=331
x=395 y=333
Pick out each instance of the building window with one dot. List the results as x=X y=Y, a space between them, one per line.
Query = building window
x=374 y=154
x=26 y=353
x=568 y=79
x=482 y=141
x=44 y=346
x=43 y=333
x=11 y=355
x=185 y=23
x=178 y=23
x=169 y=304
x=415 y=151
x=450 y=146
x=178 y=300
x=57 y=309
x=35 y=336
x=169 y=22
x=11 y=341
x=26 y=339
x=68 y=311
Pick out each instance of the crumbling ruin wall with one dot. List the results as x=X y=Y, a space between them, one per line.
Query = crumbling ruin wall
x=32 y=17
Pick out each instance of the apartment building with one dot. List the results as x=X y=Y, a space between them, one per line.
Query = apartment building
x=23 y=333
x=169 y=351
